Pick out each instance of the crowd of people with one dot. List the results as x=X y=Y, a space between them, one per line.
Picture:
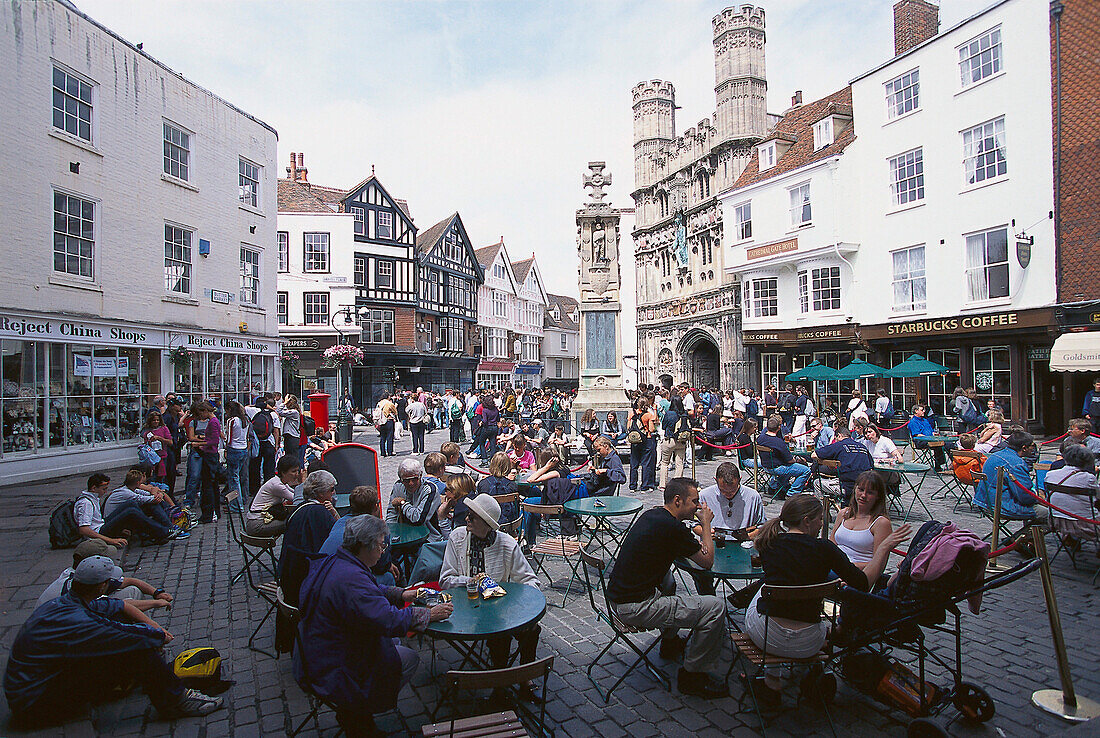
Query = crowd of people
x=338 y=570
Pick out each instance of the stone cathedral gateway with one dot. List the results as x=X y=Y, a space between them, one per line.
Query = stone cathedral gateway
x=688 y=311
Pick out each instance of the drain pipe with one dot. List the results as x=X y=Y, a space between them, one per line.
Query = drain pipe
x=1056 y=8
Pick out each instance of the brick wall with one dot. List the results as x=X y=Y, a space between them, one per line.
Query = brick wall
x=404 y=329
x=1079 y=201
x=915 y=21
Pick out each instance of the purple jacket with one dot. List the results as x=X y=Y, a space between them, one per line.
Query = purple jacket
x=347 y=631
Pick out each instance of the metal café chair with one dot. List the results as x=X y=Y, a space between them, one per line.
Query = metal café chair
x=557 y=545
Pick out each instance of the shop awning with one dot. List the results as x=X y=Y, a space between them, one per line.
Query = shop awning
x=1076 y=352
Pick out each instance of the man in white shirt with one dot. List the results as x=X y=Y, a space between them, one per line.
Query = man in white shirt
x=417 y=414
x=736 y=506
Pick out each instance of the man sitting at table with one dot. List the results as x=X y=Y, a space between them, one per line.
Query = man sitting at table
x=780 y=461
x=735 y=506
x=610 y=473
x=1014 y=501
x=643 y=593
x=1080 y=430
x=853 y=458
x=478 y=547
x=919 y=425
x=414 y=500
x=349 y=628
x=363 y=500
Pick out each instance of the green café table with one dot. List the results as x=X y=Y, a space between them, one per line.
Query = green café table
x=611 y=506
x=475 y=621
x=909 y=471
x=405 y=542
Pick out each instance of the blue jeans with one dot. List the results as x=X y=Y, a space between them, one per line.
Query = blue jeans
x=194 y=479
x=236 y=462
x=799 y=472
x=385 y=438
x=151 y=521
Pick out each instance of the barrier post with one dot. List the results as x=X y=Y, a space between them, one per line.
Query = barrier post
x=693 y=455
x=1064 y=702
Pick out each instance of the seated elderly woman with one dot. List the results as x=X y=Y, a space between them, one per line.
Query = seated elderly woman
x=479 y=547
x=414 y=499
x=350 y=625
x=306 y=530
x=1079 y=472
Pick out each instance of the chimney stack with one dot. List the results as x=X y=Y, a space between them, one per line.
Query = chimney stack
x=292 y=170
x=302 y=171
x=915 y=21
x=796 y=99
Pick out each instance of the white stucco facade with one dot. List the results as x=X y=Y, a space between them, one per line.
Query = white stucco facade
x=124 y=252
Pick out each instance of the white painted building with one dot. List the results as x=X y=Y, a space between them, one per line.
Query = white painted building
x=511 y=308
x=561 y=342
x=139 y=218
x=924 y=226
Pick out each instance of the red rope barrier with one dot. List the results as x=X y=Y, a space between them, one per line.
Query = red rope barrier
x=479 y=471
x=1045 y=503
x=1059 y=438
x=578 y=468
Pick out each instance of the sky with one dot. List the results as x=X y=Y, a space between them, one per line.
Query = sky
x=492 y=109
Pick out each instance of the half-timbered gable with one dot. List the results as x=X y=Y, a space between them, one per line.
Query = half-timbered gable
x=449 y=271
x=385 y=236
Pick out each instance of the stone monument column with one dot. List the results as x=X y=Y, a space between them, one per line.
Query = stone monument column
x=601 y=380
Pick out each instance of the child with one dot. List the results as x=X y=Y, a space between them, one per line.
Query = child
x=964 y=467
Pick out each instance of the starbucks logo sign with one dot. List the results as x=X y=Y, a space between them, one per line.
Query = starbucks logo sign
x=984 y=380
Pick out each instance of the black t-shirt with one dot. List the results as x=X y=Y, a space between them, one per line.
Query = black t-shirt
x=652 y=544
x=853 y=456
x=794 y=559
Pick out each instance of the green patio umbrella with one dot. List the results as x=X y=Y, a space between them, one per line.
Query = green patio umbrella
x=857 y=370
x=814 y=371
x=916 y=366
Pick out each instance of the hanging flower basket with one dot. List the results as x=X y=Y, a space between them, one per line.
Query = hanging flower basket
x=179 y=356
x=342 y=355
x=290 y=363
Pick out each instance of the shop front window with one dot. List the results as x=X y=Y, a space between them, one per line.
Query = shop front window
x=993 y=377
x=770 y=371
x=942 y=386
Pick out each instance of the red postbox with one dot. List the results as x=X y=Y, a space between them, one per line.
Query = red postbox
x=318 y=409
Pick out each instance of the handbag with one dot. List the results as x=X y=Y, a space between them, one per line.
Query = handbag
x=147 y=455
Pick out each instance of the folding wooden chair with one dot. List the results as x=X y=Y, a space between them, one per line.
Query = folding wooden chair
x=557 y=545
x=622 y=631
x=960 y=489
x=822 y=686
x=509 y=504
x=763 y=463
x=497 y=724
x=1051 y=488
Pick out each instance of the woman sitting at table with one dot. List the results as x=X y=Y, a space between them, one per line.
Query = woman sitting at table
x=479 y=547
x=991 y=436
x=861 y=527
x=1079 y=472
x=792 y=553
x=350 y=625
x=880 y=447
x=589 y=429
x=501 y=481
x=520 y=453
x=613 y=429
x=558 y=487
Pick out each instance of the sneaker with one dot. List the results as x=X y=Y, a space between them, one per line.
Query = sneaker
x=698 y=684
x=192 y=704
x=180 y=535
x=672 y=648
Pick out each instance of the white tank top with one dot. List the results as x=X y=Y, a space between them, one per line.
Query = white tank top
x=857 y=545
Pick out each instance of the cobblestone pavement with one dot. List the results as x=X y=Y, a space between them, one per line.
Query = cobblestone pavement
x=1007 y=648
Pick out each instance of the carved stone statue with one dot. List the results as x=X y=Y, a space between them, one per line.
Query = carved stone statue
x=680 y=248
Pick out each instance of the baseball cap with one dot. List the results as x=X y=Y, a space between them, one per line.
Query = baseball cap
x=96 y=570
x=95 y=547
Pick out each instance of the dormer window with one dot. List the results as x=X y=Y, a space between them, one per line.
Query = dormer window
x=823 y=133
x=767 y=155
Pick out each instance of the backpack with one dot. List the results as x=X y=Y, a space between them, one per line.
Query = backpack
x=752 y=407
x=889 y=410
x=684 y=433
x=64 y=532
x=635 y=432
x=147 y=456
x=261 y=424
x=456 y=411
x=310 y=426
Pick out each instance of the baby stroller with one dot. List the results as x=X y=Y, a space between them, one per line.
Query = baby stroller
x=874 y=626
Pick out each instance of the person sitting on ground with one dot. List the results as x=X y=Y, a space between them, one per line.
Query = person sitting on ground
x=480 y=547
x=131 y=589
x=452 y=509
x=1014 y=502
x=643 y=593
x=501 y=481
x=853 y=459
x=272 y=504
x=608 y=469
x=538 y=435
x=862 y=526
x=963 y=467
x=1080 y=430
x=919 y=425
x=612 y=428
x=559 y=443
x=780 y=460
x=1079 y=472
x=363 y=500
x=82 y=647
x=307 y=528
x=453 y=453
x=413 y=500
x=990 y=436
x=149 y=517
x=350 y=625
x=520 y=453
x=792 y=553
x=88 y=513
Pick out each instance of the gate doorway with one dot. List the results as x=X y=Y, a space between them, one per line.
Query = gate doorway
x=701 y=360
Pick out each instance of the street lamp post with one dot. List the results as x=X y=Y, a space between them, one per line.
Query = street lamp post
x=342 y=415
